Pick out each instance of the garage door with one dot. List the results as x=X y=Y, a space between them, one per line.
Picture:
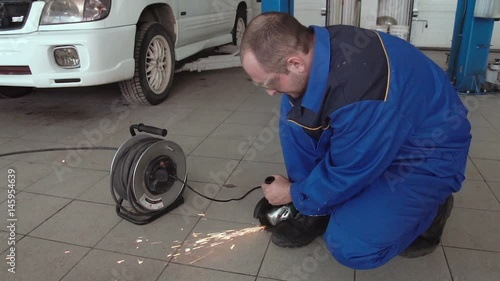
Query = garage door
x=436 y=23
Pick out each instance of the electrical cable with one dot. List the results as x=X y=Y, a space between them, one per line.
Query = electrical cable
x=213 y=199
x=123 y=173
x=57 y=149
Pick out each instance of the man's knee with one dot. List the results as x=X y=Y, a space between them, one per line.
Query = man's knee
x=356 y=254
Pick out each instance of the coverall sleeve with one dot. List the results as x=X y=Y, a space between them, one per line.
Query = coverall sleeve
x=366 y=138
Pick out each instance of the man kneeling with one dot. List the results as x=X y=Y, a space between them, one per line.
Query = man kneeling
x=374 y=137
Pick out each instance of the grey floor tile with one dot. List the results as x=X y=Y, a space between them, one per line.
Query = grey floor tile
x=265 y=152
x=22 y=145
x=224 y=246
x=158 y=240
x=103 y=265
x=205 y=115
x=193 y=128
x=248 y=118
x=50 y=133
x=312 y=262
x=33 y=209
x=194 y=204
x=99 y=193
x=485 y=150
x=187 y=143
x=430 y=268
x=212 y=170
x=4 y=194
x=476 y=195
x=485 y=134
x=27 y=173
x=16 y=129
x=118 y=138
x=222 y=148
x=251 y=174
x=471 y=172
x=235 y=211
x=178 y=272
x=42 y=260
x=50 y=157
x=7 y=241
x=94 y=159
x=260 y=103
x=495 y=187
x=488 y=169
x=67 y=182
x=4 y=140
x=87 y=136
x=471 y=265
x=473 y=229
x=237 y=132
x=5 y=162
x=79 y=223
x=478 y=121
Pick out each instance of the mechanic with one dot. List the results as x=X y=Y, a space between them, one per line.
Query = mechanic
x=374 y=136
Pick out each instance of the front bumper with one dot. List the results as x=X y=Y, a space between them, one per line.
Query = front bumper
x=106 y=56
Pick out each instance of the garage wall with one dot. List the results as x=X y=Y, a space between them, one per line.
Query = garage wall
x=440 y=16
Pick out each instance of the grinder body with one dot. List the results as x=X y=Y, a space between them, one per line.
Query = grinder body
x=270 y=215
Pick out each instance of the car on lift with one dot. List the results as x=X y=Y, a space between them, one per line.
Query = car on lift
x=75 y=43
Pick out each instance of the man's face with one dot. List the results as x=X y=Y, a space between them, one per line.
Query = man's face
x=293 y=84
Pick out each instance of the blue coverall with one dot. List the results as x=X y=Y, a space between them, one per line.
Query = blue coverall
x=378 y=141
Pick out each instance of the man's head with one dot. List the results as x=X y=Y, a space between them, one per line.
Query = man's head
x=276 y=51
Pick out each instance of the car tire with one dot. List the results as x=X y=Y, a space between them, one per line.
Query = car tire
x=239 y=27
x=14 y=92
x=154 y=66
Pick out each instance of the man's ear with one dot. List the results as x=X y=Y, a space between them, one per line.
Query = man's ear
x=296 y=64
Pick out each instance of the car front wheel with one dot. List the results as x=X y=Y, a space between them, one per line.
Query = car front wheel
x=154 y=66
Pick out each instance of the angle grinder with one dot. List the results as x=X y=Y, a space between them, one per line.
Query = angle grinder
x=270 y=215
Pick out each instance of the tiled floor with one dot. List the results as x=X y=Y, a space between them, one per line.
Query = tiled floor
x=67 y=228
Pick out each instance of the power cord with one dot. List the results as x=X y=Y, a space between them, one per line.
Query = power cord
x=57 y=149
x=126 y=177
x=213 y=199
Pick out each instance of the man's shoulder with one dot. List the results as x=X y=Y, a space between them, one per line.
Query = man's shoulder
x=359 y=67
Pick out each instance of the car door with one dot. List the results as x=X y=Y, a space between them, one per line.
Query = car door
x=202 y=20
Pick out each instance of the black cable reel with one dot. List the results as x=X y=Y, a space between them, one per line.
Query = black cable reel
x=149 y=173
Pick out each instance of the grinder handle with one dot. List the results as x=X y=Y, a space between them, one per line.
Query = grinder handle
x=269 y=180
x=148 y=129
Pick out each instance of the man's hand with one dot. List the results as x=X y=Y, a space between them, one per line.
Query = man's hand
x=278 y=192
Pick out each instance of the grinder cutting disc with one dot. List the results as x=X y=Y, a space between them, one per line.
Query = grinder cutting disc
x=155 y=185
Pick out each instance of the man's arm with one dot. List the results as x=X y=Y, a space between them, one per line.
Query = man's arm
x=367 y=137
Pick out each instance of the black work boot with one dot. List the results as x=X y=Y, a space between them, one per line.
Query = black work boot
x=429 y=240
x=300 y=231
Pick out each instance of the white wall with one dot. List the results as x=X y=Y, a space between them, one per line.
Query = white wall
x=440 y=15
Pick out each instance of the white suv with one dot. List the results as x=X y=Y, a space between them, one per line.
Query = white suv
x=72 y=43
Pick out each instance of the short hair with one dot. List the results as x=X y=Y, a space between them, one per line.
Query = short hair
x=272 y=37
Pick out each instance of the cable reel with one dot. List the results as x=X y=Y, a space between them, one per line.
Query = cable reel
x=147 y=172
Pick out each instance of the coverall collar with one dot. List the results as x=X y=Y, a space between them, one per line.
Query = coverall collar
x=320 y=68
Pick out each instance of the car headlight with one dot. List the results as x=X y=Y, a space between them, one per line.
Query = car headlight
x=72 y=11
